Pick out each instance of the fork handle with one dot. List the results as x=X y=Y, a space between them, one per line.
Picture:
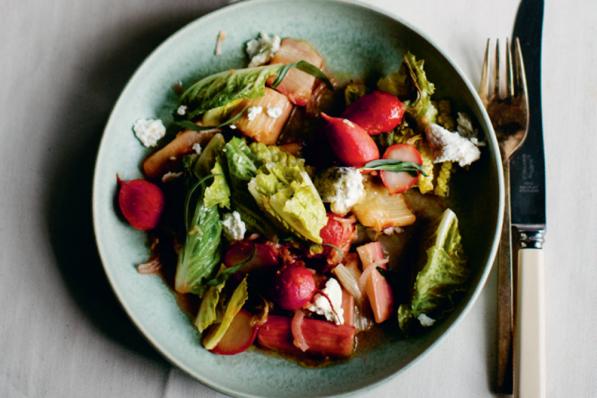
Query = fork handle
x=505 y=306
x=530 y=325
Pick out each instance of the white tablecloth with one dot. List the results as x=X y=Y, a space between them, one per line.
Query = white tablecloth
x=62 y=65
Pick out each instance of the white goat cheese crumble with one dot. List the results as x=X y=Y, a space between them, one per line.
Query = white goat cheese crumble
x=171 y=175
x=329 y=304
x=453 y=147
x=262 y=49
x=181 y=110
x=197 y=148
x=149 y=131
x=274 y=112
x=253 y=111
x=425 y=321
x=342 y=187
x=234 y=228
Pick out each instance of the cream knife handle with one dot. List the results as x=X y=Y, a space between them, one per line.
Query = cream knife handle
x=530 y=325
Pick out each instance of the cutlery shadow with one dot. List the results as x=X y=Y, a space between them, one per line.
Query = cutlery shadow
x=67 y=202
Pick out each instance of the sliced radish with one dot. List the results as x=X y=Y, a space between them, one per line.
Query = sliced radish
x=239 y=336
x=398 y=182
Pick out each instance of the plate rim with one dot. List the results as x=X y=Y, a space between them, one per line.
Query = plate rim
x=243 y=4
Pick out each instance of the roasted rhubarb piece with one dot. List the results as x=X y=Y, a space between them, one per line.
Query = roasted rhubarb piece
x=164 y=159
x=376 y=287
x=297 y=85
x=265 y=117
x=323 y=338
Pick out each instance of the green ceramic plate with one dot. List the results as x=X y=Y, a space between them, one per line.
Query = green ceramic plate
x=353 y=39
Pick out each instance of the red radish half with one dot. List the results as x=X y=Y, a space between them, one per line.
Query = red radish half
x=141 y=203
x=239 y=336
x=376 y=112
x=350 y=142
x=294 y=287
x=398 y=182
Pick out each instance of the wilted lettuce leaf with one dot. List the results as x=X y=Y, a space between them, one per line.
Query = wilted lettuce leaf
x=284 y=190
x=442 y=276
x=233 y=85
x=200 y=166
x=200 y=252
x=218 y=193
x=353 y=91
x=234 y=305
x=208 y=314
x=411 y=85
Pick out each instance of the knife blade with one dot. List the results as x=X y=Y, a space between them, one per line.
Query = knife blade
x=527 y=166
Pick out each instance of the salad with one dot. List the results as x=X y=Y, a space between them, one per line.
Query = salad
x=296 y=212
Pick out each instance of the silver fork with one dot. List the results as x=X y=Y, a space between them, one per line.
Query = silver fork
x=505 y=97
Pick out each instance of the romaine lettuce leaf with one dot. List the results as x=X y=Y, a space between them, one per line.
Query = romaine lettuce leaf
x=200 y=253
x=218 y=193
x=442 y=276
x=208 y=313
x=242 y=166
x=410 y=84
x=241 y=162
x=201 y=250
x=234 y=305
x=284 y=190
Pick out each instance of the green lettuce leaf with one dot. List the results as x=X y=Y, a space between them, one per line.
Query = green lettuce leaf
x=234 y=305
x=442 y=277
x=283 y=189
x=208 y=313
x=200 y=252
x=242 y=166
x=218 y=193
x=230 y=86
x=410 y=84
x=201 y=165
x=241 y=162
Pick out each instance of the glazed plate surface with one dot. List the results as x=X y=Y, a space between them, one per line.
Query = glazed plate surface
x=356 y=41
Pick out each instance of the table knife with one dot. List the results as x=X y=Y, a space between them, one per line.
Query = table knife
x=527 y=186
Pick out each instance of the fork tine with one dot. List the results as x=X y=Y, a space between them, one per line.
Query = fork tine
x=521 y=80
x=496 y=70
x=509 y=71
x=484 y=85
